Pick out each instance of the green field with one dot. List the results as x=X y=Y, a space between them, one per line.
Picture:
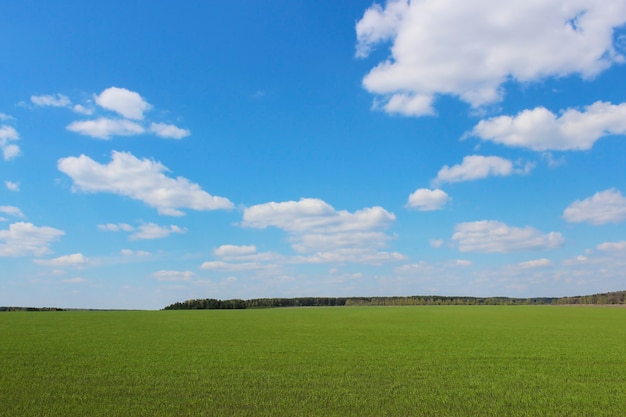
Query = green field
x=342 y=361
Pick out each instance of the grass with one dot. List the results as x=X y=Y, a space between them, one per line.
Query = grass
x=357 y=361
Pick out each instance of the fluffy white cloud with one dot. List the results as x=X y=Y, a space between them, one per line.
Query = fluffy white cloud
x=8 y=134
x=116 y=227
x=470 y=49
x=540 y=129
x=12 y=186
x=488 y=236
x=75 y=259
x=607 y=206
x=436 y=243
x=613 y=246
x=235 y=251
x=104 y=128
x=75 y=280
x=22 y=239
x=536 y=263
x=237 y=267
x=140 y=179
x=138 y=253
x=58 y=100
x=312 y=215
x=154 y=231
x=165 y=275
x=169 y=131
x=315 y=227
x=11 y=211
x=425 y=199
x=125 y=102
x=476 y=167
x=144 y=231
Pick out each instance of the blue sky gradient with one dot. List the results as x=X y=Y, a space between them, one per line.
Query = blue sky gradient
x=156 y=152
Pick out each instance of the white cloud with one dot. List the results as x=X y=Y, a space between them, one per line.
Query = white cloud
x=116 y=227
x=7 y=135
x=488 y=236
x=425 y=199
x=58 y=100
x=234 y=251
x=237 y=267
x=12 y=211
x=476 y=167
x=470 y=49
x=138 y=253
x=165 y=275
x=125 y=102
x=22 y=239
x=76 y=280
x=314 y=224
x=540 y=129
x=536 y=263
x=435 y=243
x=5 y=117
x=165 y=130
x=461 y=263
x=144 y=231
x=75 y=259
x=104 y=128
x=607 y=206
x=154 y=231
x=613 y=246
x=325 y=234
x=12 y=186
x=140 y=179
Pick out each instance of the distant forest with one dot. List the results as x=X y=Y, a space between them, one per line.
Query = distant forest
x=618 y=297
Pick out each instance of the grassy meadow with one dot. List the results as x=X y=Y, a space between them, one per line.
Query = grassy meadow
x=342 y=361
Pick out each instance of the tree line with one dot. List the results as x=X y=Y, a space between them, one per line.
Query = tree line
x=618 y=297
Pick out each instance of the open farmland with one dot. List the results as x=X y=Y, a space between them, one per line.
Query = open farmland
x=356 y=361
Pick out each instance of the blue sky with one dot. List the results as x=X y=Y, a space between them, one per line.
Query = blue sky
x=152 y=152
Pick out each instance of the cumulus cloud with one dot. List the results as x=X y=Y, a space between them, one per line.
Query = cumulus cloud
x=140 y=179
x=154 y=231
x=539 y=129
x=536 y=263
x=12 y=186
x=489 y=236
x=143 y=231
x=238 y=266
x=425 y=199
x=104 y=128
x=612 y=246
x=137 y=253
x=129 y=106
x=75 y=259
x=476 y=167
x=607 y=206
x=58 y=100
x=8 y=134
x=169 y=131
x=22 y=239
x=166 y=275
x=124 y=102
x=75 y=280
x=11 y=211
x=116 y=227
x=314 y=226
x=234 y=251
x=435 y=43
x=435 y=243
